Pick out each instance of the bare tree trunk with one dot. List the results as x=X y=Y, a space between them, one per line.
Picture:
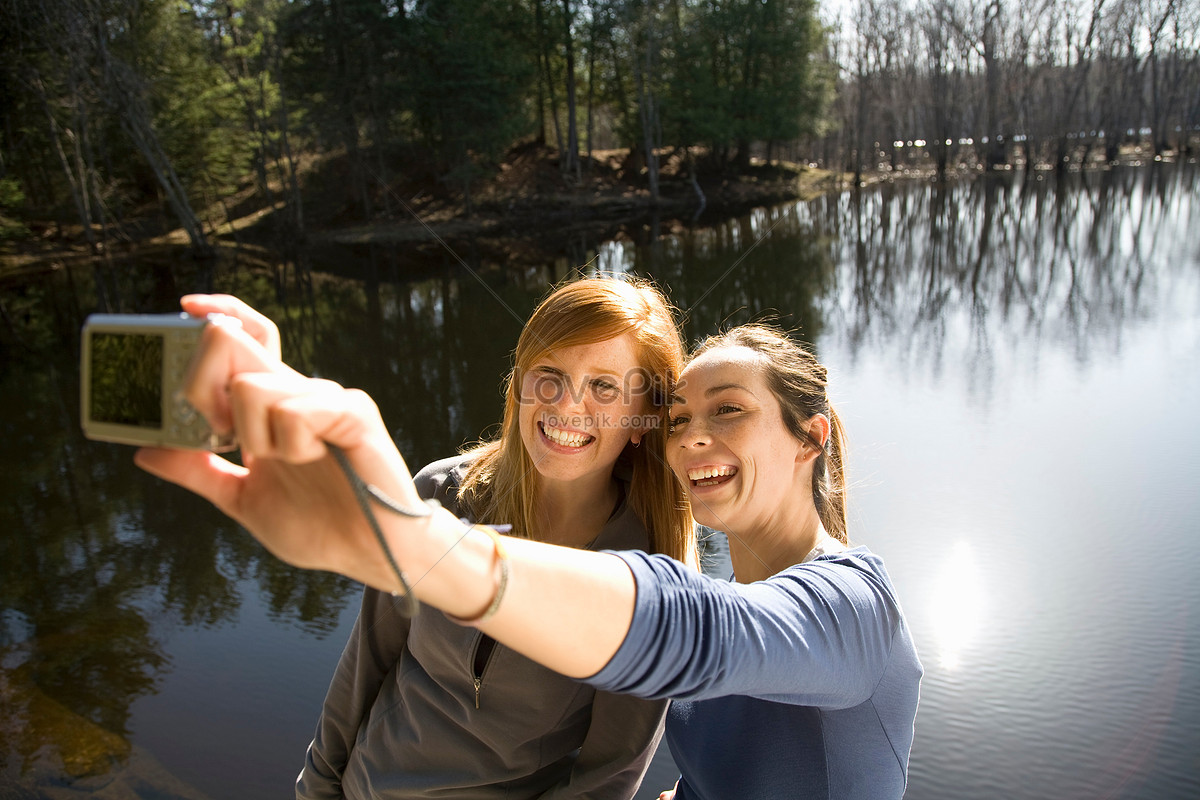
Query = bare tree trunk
x=547 y=75
x=1083 y=66
x=936 y=39
x=136 y=123
x=78 y=192
x=92 y=182
x=76 y=134
x=570 y=163
x=291 y=179
x=540 y=138
x=122 y=92
x=860 y=114
x=643 y=72
x=591 y=90
x=288 y=177
x=1158 y=116
x=991 y=66
x=618 y=77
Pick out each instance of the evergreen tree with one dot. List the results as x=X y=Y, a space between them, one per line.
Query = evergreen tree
x=195 y=106
x=344 y=64
x=743 y=71
x=469 y=81
x=244 y=43
x=127 y=104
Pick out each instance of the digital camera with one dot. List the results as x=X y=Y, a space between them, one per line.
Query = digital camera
x=132 y=368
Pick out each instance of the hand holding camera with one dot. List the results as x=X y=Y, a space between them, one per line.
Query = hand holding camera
x=132 y=371
x=288 y=491
x=133 y=368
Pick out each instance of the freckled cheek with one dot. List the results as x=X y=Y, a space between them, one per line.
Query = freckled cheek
x=526 y=426
x=540 y=390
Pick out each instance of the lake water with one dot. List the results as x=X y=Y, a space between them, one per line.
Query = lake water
x=1018 y=365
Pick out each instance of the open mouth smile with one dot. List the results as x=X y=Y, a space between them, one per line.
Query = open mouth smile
x=563 y=438
x=710 y=476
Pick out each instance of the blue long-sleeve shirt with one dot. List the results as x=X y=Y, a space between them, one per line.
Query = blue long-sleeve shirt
x=802 y=685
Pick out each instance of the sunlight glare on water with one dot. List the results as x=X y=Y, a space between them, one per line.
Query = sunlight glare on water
x=958 y=597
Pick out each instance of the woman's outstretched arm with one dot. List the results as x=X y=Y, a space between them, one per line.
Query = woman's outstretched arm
x=568 y=609
x=291 y=494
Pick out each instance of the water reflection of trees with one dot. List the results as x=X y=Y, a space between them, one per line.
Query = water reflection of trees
x=768 y=262
x=1047 y=261
x=928 y=272
x=77 y=648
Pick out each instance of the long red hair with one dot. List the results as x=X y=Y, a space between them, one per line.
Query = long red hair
x=501 y=483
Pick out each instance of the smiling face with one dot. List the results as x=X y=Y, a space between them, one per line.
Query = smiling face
x=579 y=406
x=730 y=447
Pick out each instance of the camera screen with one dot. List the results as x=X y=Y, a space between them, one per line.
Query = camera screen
x=126 y=379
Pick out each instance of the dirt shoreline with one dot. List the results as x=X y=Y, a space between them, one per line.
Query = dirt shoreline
x=527 y=201
x=527 y=198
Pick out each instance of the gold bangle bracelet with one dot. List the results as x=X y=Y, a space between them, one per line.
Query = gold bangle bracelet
x=502 y=556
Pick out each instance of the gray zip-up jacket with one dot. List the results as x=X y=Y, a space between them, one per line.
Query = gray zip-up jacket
x=406 y=715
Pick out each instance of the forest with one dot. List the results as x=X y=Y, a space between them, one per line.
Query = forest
x=122 y=119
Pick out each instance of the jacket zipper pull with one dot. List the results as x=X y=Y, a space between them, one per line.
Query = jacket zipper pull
x=478 y=683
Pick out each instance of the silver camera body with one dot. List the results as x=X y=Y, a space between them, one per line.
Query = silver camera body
x=132 y=368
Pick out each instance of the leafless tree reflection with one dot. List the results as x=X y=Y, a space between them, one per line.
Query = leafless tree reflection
x=931 y=272
x=1069 y=262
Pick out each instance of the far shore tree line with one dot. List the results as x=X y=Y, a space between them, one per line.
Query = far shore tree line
x=1002 y=82
x=113 y=107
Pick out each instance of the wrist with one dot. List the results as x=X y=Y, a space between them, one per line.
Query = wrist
x=502 y=567
x=449 y=564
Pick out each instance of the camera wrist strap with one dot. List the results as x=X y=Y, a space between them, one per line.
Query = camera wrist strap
x=364 y=493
